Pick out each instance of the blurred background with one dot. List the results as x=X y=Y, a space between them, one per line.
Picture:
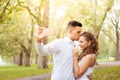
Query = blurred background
x=20 y=19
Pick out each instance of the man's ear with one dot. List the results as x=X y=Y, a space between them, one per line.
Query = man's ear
x=70 y=30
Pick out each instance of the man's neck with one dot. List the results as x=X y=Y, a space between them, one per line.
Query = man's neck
x=70 y=37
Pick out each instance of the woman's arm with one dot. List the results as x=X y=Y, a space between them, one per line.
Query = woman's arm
x=79 y=70
x=75 y=63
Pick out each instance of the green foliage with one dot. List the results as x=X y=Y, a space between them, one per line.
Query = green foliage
x=13 y=72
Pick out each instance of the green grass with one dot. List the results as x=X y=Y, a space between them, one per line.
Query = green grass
x=12 y=72
x=110 y=73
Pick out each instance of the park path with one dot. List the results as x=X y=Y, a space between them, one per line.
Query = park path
x=38 y=77
x=107 y=64
x=46 y=76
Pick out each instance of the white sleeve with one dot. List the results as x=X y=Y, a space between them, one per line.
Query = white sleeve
x=50 y=48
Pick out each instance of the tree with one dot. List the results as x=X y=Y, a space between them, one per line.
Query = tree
x=9 y=46
x=41 y=18
x=4 y=9
x=115 y=19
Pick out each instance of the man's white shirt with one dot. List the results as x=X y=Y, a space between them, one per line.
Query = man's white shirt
x=61 y=49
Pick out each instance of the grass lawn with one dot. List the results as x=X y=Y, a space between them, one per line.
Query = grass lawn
x=13 y=71
x=110 y=73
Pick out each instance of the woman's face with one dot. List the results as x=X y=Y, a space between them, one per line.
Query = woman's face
x=83 y=43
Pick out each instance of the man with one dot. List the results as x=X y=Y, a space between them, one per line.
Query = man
x=61 y=49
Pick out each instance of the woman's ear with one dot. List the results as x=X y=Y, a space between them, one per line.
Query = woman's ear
x=89 y=43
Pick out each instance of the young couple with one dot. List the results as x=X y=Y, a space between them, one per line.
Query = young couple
x=68 y=63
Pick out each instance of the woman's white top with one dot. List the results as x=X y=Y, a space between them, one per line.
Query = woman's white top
x=88 y=72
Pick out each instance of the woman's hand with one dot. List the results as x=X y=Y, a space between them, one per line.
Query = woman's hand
x=75 y=53
x=75 y=63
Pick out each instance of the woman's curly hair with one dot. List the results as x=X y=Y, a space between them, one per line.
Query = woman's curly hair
x=93 y=47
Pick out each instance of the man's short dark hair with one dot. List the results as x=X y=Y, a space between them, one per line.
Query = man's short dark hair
x=74 y=24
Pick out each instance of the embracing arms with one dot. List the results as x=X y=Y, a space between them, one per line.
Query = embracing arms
x=80 y=69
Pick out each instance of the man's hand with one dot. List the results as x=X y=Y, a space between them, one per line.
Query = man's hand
x=43 y=32
x=40 y=34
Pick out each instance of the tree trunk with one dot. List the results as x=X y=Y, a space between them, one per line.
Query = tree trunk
x=27 y=61
x=15 y=60
x=20 y=61
x=117 y=57
x=40 y=58
x=44 y=61
x=36 y=59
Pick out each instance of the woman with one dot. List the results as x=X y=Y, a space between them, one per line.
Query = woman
x=85 y=62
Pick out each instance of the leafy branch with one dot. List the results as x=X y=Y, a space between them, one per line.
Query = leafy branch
x=4 y=9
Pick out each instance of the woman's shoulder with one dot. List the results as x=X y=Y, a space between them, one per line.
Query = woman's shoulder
x=92 y=59
x=90 y=56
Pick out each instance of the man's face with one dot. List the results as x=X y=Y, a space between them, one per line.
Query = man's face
x=75 y=33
